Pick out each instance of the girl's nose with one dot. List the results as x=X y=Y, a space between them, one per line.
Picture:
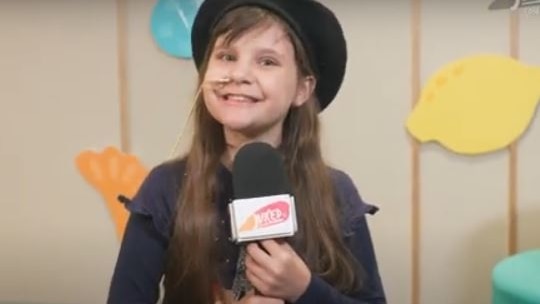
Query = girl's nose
x=240 y=73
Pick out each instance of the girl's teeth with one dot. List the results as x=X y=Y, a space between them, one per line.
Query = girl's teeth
x=238 y=98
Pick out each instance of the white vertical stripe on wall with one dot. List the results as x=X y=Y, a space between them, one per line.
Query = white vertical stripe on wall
x=58 y=96
x=364 y=128
x=122 y=66
x=529 y=147
x=464 y=198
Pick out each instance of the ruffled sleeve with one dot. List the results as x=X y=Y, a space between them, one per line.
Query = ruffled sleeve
x=157 y=196
x=141 y=260
x=353 y=207
x=357 y=238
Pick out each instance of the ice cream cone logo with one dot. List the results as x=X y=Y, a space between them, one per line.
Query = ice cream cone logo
x=269 y=215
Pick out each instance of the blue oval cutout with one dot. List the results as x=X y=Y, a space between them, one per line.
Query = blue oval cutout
x=171 y=24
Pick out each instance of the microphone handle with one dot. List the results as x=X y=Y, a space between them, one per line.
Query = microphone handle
x=241 y=284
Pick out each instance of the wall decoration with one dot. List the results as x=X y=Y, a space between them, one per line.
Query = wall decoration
x=477 y=104
x=171 y=24
x=115 y=175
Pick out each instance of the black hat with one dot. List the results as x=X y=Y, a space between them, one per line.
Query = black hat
x=315 y=25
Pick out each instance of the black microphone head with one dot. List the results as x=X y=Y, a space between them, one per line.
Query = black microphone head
x=258 y=170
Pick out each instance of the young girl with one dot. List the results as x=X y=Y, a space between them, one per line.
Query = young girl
x=266 y=69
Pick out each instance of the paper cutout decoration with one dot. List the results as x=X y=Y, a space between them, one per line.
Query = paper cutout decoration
x=171 y=24
x=512 y=4
x=112 y=173
x=477 y=104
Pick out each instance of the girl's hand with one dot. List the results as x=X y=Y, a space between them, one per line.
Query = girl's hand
x=277 y=272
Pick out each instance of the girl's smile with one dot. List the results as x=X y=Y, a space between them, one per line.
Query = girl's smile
x=237 y=98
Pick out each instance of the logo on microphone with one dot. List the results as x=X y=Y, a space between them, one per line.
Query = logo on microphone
x=269 y=215
x=260 y=218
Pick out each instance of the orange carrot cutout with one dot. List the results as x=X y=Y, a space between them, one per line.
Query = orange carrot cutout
x=112 y=173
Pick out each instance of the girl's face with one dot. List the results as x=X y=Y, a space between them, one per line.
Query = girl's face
x=264 y=82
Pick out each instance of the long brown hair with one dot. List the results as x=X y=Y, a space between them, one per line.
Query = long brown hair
x=192 y=265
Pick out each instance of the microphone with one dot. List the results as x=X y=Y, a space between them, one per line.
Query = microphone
x=263 y=207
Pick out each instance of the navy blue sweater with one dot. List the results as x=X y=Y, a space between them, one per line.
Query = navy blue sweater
x=142 y=257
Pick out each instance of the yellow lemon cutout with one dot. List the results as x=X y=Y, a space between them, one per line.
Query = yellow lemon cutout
x=477 y=104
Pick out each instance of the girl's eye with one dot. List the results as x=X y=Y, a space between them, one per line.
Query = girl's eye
x=226 y=57
x=268 y=62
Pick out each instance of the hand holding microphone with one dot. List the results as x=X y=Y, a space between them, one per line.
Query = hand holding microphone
x=262 y=213
x=277 y=271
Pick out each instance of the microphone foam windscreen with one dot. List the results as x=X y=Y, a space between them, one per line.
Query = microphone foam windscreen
x=258 y=170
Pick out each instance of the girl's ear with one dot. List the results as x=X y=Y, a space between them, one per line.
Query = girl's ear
x=306 y=87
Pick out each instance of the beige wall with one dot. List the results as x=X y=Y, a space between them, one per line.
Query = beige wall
x=59 y=94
